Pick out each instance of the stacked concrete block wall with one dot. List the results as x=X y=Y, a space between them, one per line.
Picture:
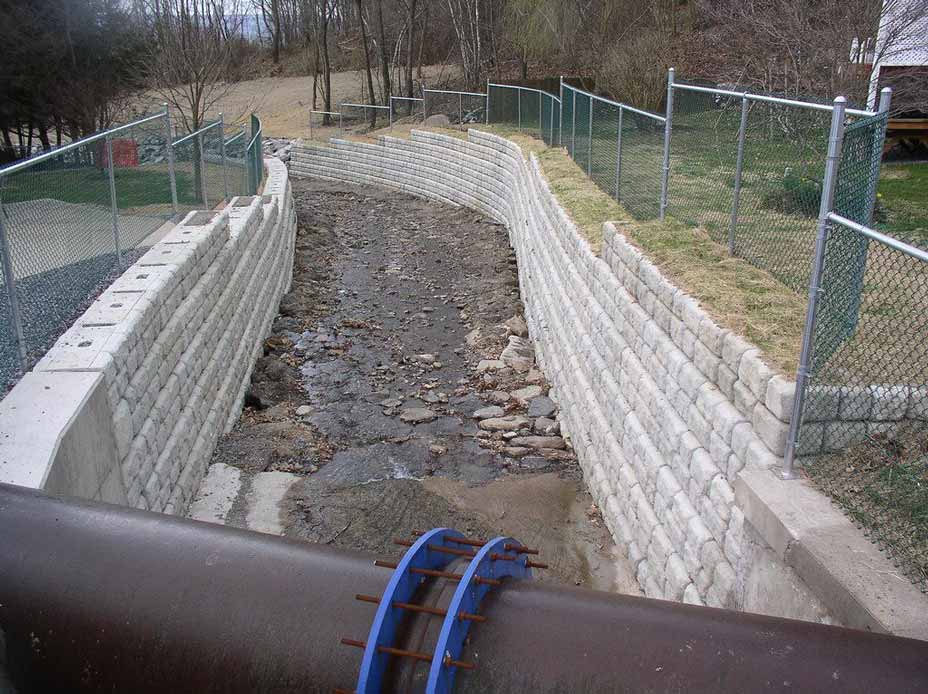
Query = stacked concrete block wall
x=164 y=355
x=663 y=407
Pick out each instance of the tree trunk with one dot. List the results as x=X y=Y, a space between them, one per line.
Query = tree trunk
x=409 y=48
x=275 y=14
x=315 y=72
x=326 y=63
x=425 y=25
x=384 y=57
x=367 y=64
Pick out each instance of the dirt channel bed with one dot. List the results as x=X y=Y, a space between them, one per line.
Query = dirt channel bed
x=372 y=376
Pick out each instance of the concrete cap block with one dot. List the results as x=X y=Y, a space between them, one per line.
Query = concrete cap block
x=34 y=417
x=755 y=373
x=779 y=398
x=770 y=430
x=889 y=402
x=860 y=586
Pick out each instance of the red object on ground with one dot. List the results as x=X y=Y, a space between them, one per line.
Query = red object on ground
x=125 y=154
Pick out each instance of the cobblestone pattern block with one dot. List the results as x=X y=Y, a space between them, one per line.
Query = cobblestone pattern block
x=663 y=407
x=177 y=335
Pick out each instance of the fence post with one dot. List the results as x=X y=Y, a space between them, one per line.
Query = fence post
x=245 y=189
x=618 y=156
x=541 y=112
x=573 y=125
x=560 y=111
x=668 y=128
x=112 y=176
x=9 y=281
x=551 y=122
x=739 y=168
x=803 y=373
x=589 y=148
x=202 y=170
x=390 y=113
x=169 y=155
x=487 y=114
x=222 y=158
x=886 y=95
x=519 y=97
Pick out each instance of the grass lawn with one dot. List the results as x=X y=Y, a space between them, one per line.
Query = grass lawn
x=135 y=187
x=902 y=208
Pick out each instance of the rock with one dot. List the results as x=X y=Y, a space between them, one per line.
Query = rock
x=539 y=442
x=534 y=462
x=391 y=402
x=510 y=423
x=510 y=435
x=490 y=365
x=499 y=397
x=488 y=412
x=473 y=337
x=541 y=406
x=424 y=358
x=516 y=451
x=303 y=410
x=524 y=395
x=543 y=425
x=417 y=415
x=519 y=354
x=436 y=449
x=430 y=398
x=535 y=376
x=253 y=400
x=439 y=120
x=517 y=326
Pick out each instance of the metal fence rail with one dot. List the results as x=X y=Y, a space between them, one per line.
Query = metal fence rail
x=72 y=219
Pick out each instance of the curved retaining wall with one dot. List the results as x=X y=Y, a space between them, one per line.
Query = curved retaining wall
x=128 y=404
x=663 y=407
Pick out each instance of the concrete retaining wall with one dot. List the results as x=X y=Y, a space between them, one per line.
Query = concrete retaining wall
x=663 y=407
x=128 y=404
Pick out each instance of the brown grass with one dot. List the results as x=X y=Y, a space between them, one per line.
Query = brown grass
x=737 y=295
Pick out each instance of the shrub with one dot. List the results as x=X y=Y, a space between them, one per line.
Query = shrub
x=795 y=195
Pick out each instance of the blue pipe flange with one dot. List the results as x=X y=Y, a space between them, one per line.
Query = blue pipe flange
x=497 y=559
x=401 y=588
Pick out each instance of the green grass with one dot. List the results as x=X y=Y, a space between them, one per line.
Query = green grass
x=902 y=208
x=135 y=187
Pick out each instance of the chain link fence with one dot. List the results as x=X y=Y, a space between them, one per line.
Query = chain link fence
x=618 y=146
x=461 y=108
x=406 y=109
x=532 y=111
x=362 y=117
x=72 y=219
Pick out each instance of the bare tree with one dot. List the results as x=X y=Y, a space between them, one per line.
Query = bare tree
x=189 y=64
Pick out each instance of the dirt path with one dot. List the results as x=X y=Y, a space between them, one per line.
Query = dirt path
x=370 y=382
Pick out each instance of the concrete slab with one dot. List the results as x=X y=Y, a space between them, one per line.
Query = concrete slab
x=264 y=501
x=859 y=585
x=217 y=493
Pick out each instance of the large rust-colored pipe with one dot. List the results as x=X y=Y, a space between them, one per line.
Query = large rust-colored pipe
x=98 y=598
